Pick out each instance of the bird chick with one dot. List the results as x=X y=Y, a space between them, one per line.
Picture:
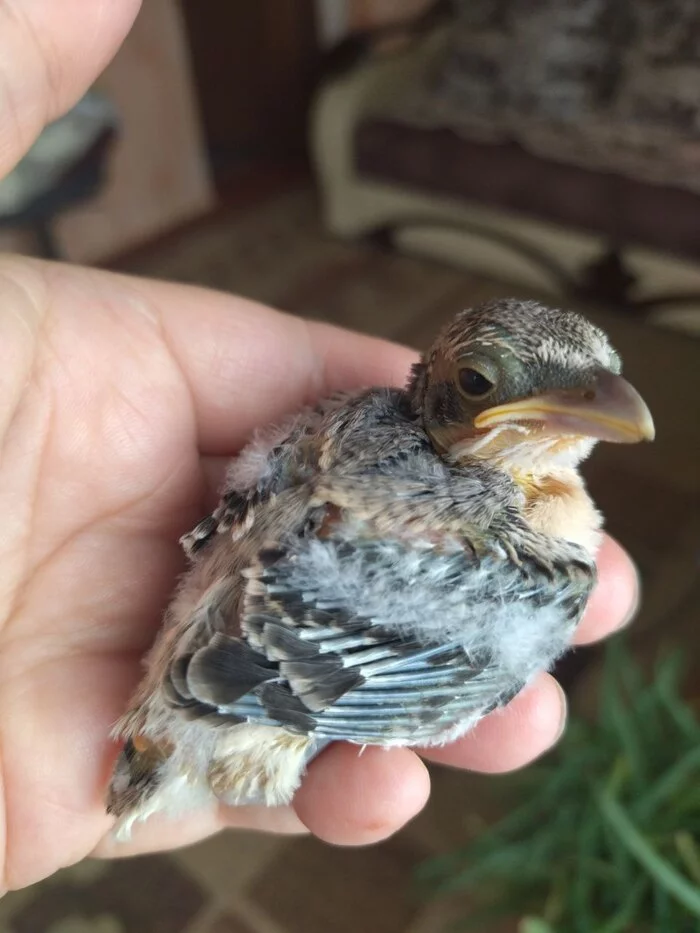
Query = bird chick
x=386 y=568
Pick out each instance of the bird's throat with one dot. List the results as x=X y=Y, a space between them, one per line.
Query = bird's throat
x=536 y=486
x=558 y=504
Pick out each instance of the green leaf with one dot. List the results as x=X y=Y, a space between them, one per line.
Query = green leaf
x=679 y=887
x=622 y=722
x=662 y=909
x=666 y=683
x=689 y=853
x=535 y=925
x=605 y=839
x=621 y=920
x=686 y=768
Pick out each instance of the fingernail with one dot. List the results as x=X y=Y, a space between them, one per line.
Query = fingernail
x=564 y=712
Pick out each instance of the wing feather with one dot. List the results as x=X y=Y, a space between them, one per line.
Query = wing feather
x=323 y=650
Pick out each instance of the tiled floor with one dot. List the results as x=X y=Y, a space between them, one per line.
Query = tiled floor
x=243 y=882
x=247 y=883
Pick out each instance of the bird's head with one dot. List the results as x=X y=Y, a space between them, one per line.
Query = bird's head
x=526 y=387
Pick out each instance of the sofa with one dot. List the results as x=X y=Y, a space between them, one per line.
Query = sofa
x=531 y=144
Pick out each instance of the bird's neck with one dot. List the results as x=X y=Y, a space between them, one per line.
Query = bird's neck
x=545 y=469
x=557 y=503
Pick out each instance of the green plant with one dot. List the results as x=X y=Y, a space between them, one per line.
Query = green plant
x=607 y=840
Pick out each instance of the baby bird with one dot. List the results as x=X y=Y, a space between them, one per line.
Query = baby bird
x=384 y=569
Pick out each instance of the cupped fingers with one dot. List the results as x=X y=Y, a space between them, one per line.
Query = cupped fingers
x=350 y=796
x=161 y=833
x=356 y=796
x=615 y=599
x=512 y=737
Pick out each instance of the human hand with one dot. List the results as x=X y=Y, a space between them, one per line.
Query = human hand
x=120 y=402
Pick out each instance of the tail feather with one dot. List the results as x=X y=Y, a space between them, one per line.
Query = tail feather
x=136 y=776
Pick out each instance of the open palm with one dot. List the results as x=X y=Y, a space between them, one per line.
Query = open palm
x=120 y=401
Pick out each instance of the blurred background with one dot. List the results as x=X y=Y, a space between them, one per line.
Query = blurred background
x=381 y=164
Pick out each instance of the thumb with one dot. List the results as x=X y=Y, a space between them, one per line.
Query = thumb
x=50 y=53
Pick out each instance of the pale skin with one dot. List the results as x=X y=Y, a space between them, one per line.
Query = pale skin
x=120 y=401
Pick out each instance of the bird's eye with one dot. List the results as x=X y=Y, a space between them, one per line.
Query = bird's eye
x=473 y=383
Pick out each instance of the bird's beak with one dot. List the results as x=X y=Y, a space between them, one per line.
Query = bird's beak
x=608 y=409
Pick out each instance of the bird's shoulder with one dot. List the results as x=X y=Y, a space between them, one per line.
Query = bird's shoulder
x=277 y=457
x=380 y=466
x=366 y=453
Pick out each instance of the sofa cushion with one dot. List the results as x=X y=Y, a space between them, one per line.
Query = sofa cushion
x=504 y=175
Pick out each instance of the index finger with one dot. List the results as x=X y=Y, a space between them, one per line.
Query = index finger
x=614 y=600
x=247 y=365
